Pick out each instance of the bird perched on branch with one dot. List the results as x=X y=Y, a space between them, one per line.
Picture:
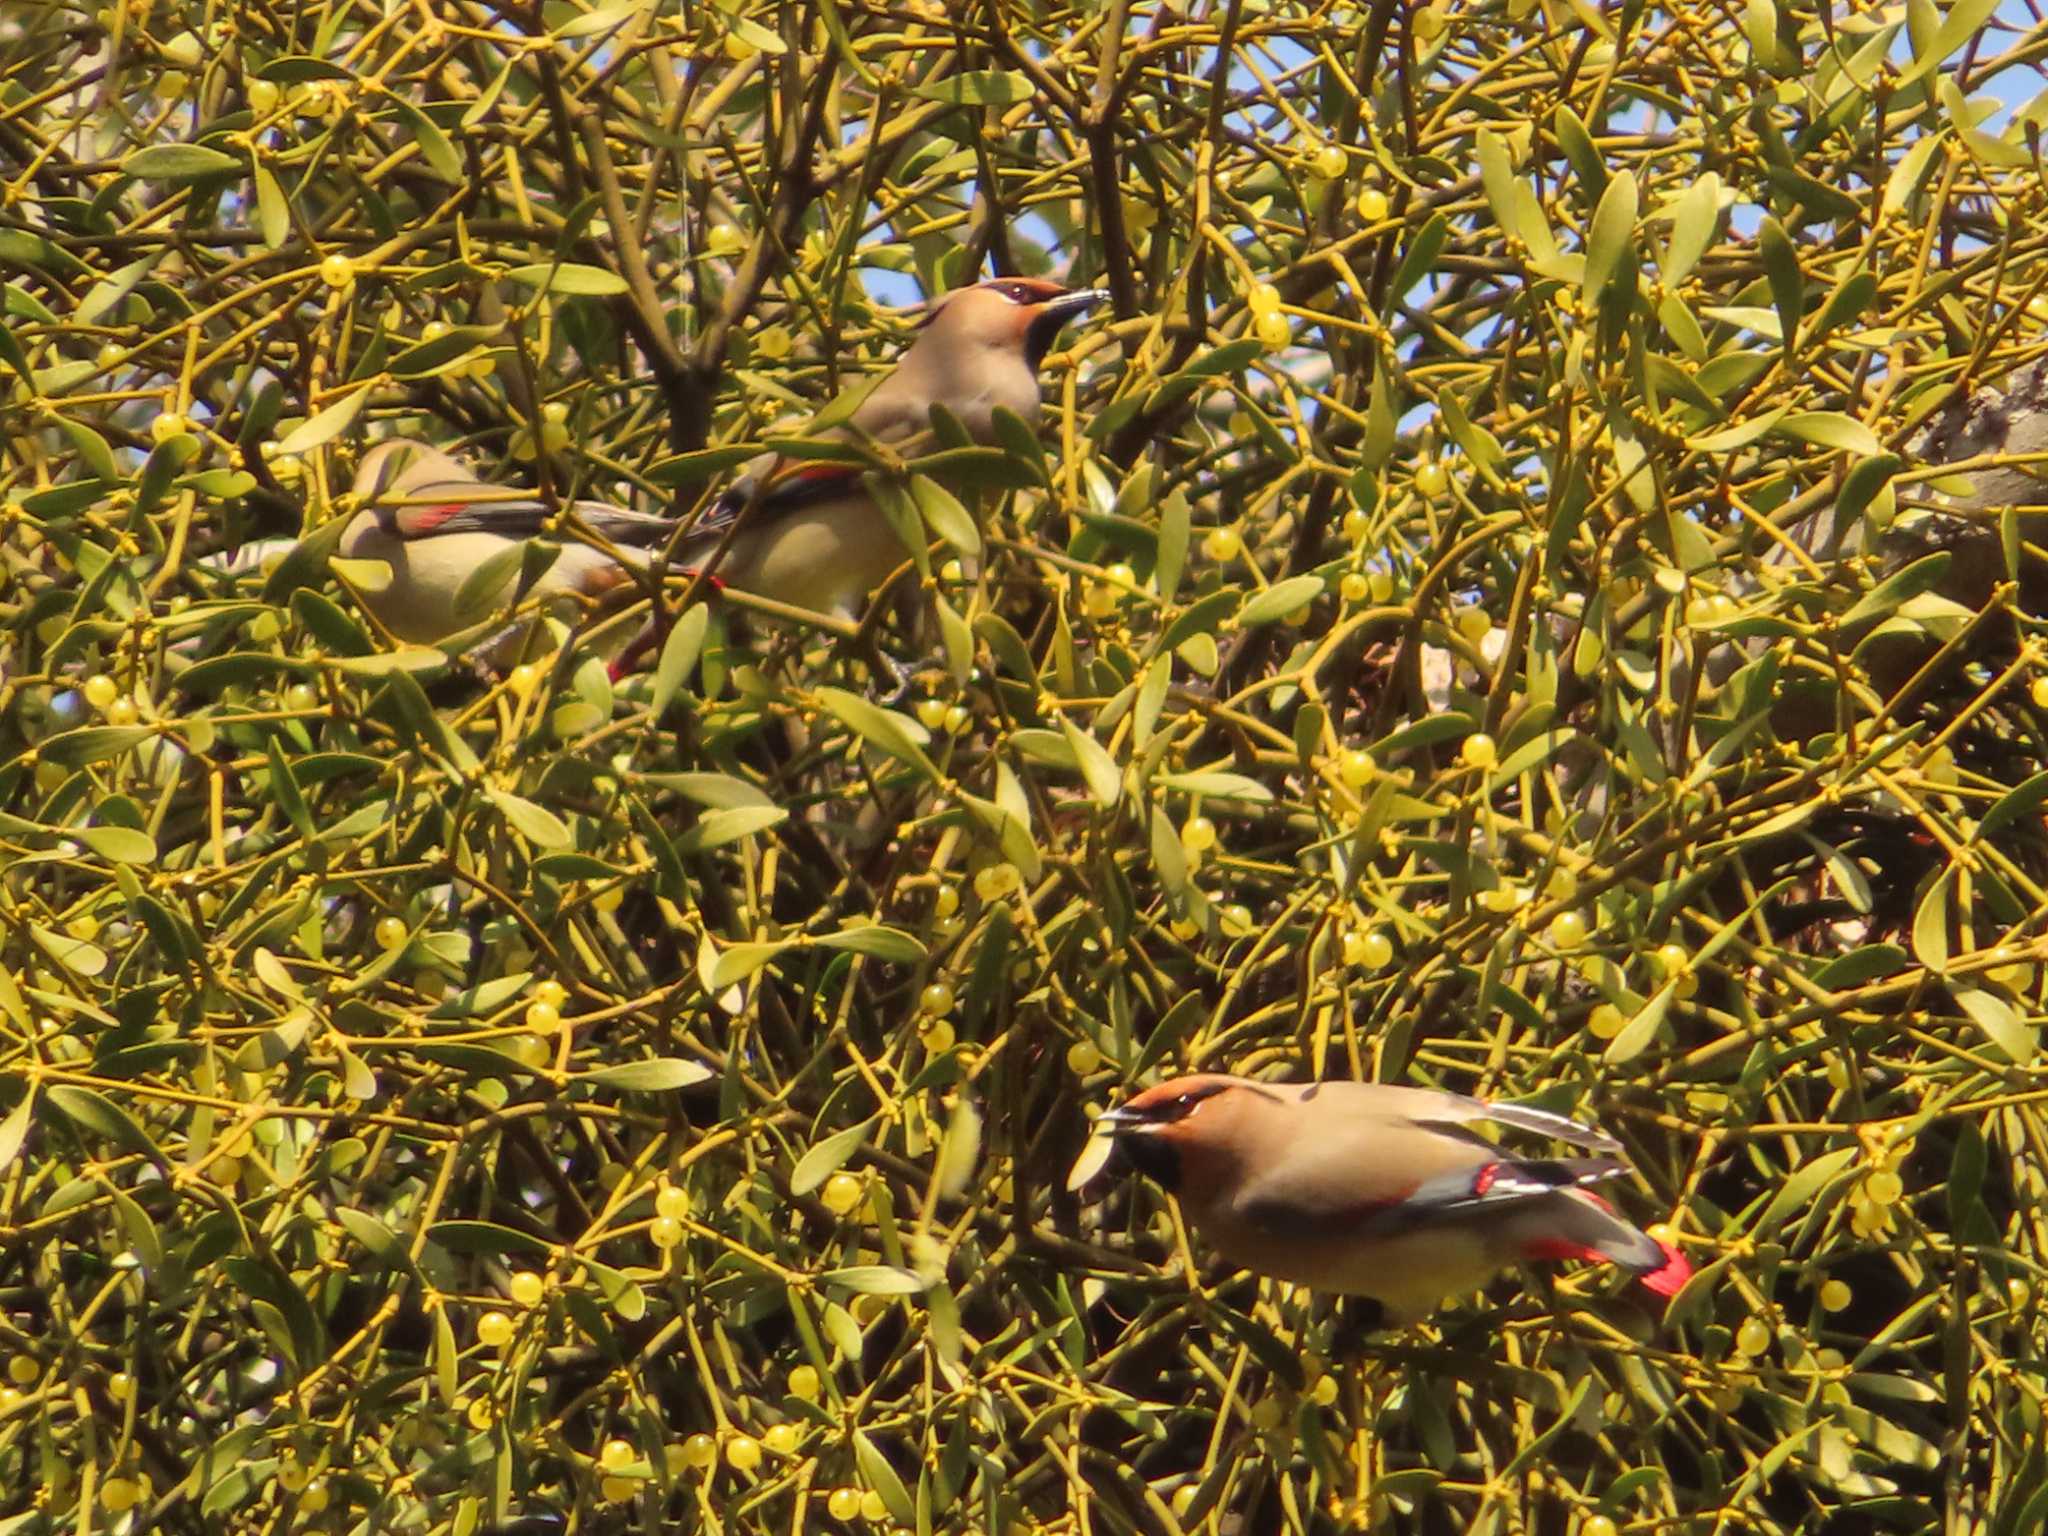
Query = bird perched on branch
x=437 y=525
x=808 y=532
x=805 y=533
x=1373 y=1190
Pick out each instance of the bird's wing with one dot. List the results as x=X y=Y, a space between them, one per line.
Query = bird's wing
x=435 y=509
x=1426 y=1106
x=788 y=486
x=1376 y=1178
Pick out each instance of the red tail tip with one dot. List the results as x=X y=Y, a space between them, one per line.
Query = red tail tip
x=1667 y=1280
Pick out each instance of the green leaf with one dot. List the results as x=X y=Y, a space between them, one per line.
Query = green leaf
x=1105 y=779
x=273 y=211
x=178 y=162
x=570 y=277
x=435 y=149
x=978 y=88
x=729 y=826
x=537 y=824
x=820 y=1162
x=1611 y=235
x=874 y=1280
x=879 y=1475
x=1694 y=218
x=100 y=1115
x=1961 y=24
x=1897 y=588
x=876 y=941
x=409 y=659
x=1830 y=429
x=119 y=845
x=663 y=1074
x=1930 y=925
x=2000 y=1021
x=898 y=735
x=484 y=587
x=329 y=424
x=945 y=516
x=679 y=653
x=1278 y=600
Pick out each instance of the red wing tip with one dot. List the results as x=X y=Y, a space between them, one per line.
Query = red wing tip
x=1671 y=1277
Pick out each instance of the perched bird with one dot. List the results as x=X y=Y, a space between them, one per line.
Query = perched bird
x=1374 y=1190
x=434 y=523
x=806 y=532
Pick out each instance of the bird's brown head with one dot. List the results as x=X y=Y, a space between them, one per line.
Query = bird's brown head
x=1187 y=1133
x=1013 y=314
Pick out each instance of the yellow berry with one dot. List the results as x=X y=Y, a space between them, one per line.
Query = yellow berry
x=551 y=992
x=958 y=718
x=262 y=96
x=1753 y=1337
x=2039 y=692
x=1597 y=1525
x=843 y=1503
x=1083 y=1057
x=1478 y=750
x=1273 y=330
x=118 y=1494
x=337 y=271
x=1431 y=478
x=543 y=1018
x=1568 y=930
x=664 y=1232
x=24 y=1370
x=804 y=1383
x=699 y=1451
x=1354 y=588
x=493 y=1329
x=482 y=1414
x=743 y=1453
x=937 y=1036
x=1605 y=1021
x=997 y=881
x=871 y=1505
x=1367 y=947
x=390 y=932
x=1474 y=623
x=1235 y=919
x=672 y=1202
x=1329 y=162
x=1883 y=1187
x=617 y=1490
x=931 y=713
x=100 y=691
x=1835 y=1295
x=1222 y=544
x=527 y=1288
x=1372 y=205
x=316 y=1497
x=122 y=711
x=1199 y=834
x=120 y=1386
x=1262 y=299
x=616 y=1455
x=946 y=901
x=167 y=426
x=781 y=1439
x=841 y=1193
x=1354 y=767
x=936 y=998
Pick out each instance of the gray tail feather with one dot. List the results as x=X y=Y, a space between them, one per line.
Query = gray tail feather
x=1543 y=1123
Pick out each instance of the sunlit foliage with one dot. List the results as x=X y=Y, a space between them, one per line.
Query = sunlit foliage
x=1473 y=615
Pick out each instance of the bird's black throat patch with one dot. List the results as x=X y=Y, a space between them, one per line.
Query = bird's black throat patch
x=1158 y=1160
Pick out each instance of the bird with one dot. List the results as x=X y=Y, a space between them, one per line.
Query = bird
x=1377 y=1190
x=808 y=533
x=435 y=523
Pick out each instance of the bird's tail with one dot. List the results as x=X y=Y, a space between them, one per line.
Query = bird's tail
x=1577 y=1224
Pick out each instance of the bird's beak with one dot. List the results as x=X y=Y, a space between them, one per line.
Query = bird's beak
x=1120 y=1120
x=1069 y=306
